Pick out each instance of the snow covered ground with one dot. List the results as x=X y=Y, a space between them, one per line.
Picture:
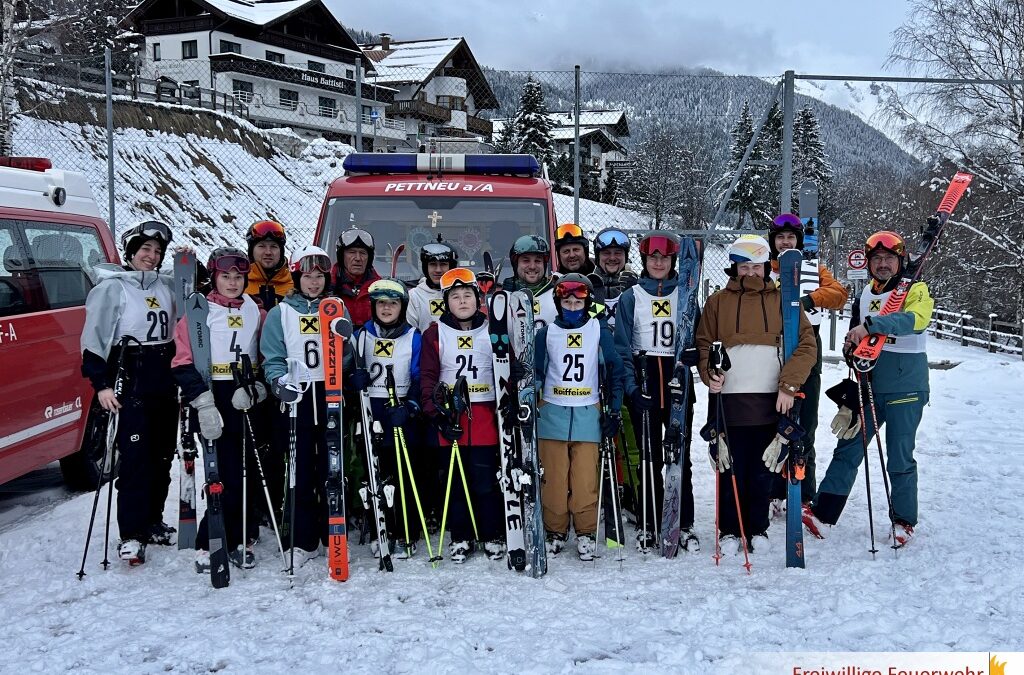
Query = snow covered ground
x=956 y=587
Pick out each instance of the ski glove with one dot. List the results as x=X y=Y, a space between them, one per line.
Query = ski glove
x=845 y=424
x=242 y=399
x=210 y=423
x=398 y=415
x=690 y=357
x=807 y=303
x=776 y=454
x=449 y=432
x=718 y=449
x=283 y=392
x=359 y=380
x=610 y=424
x=641 y=401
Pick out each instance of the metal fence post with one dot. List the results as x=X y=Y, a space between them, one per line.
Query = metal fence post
x=991 y=333
x=359 y=105
x=111 y=220
x=576 y=152
x=963 y=336
x=786 y=179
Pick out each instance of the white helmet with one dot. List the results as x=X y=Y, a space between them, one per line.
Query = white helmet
x=749 y=248
x=309 y=258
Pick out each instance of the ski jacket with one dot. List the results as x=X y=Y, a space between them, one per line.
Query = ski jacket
x=830 y=294
x=426 y=305
x=659 y=368
x=129 y=302
x=746 y=317
x=578 y=423
x=898 y=372
x=483 y=429
x=185 y=374
x=269 y=290
x=373 y=331
x=355 y=293
x=274 y=345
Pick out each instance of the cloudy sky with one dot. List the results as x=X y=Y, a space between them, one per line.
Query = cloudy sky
x=753 y=37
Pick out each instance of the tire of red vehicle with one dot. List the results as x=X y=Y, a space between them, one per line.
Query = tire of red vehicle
x=82 y=469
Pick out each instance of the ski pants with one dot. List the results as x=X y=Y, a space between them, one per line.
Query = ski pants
x=901 y=413
x=310 y=516
x=146 y=429
x=809 y=421
x=481 y=464
x=569 y=486
x=229 y=460
x=656 y=492
x=753 y=479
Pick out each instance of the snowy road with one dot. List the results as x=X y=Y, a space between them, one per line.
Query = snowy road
x=956 y=587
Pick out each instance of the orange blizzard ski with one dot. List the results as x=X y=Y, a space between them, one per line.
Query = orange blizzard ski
x=334 y=330
x=865 y=355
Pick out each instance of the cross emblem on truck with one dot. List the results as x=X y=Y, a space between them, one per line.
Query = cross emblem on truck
x=434 y=217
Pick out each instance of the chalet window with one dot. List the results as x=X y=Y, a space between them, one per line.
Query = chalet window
x=289 y=99
x=316 y=67
x=328 y=106
x=190 y=49
x=156 y=51
x=242 y=89
x=452 y=102
x=275 y=57
x=229 y=47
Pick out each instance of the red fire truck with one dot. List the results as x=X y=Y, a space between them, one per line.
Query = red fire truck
x=51 y=236
x=477 y=203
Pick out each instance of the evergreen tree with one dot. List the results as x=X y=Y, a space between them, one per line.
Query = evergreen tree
x=609 y=195
x=753 y=196
x=809 y=159
x=654 y=186
x=507 y=140
x=533 y=125
x=561 y=174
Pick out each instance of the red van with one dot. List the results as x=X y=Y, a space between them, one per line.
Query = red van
x=478 y=203
x=51 y=236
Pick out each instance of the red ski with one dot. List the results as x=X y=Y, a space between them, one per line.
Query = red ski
x=865 y=355
x=334 y=329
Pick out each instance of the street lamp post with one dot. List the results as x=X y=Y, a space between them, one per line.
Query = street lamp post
x=835 y=230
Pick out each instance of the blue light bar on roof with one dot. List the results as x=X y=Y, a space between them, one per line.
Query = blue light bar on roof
x=390 y=163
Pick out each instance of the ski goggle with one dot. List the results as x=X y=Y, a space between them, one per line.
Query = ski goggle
x=785 y=220
x=267 y=229
x=312 y=263
x=610 y=238
x=572 y=289
x=150 y=229
x=890 y=241
x=230 y=263
x=569 y=231
x=460 y=276
x=659 y=243
x=356 y=236
x=438 y=252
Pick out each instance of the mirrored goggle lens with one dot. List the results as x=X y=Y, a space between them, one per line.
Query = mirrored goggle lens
x=572 y=289
x=885 y=240
x=786 y=220
x=659 y=244
x=437 y=250
x=267 y=228
x=459 y=275
x=231 y=263
x=313 y=263
x=350 y=237
x=613 y=238
x=568 y=230
x=156 y=230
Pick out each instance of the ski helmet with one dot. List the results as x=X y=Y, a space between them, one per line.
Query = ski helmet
x=133 y=238
x=783 y=222
x=574 y=285
x=440 y=251
x=886 y=240
x=748 y=248
x=528 y=243
x=570 y=233
x=307 y=259
x=460 y=276
x=388 y=289
x=611 y=237
x=227 y=259
x=355 y=238
x=266 y=230
x=660 y=242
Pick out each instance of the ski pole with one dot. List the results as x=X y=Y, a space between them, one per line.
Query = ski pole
x=646 y=460
x=444 y=510
x=869 y=390
x=718 y=362
x=867 y=471
x=402 y=449
x=294 y=366
x=107 y=454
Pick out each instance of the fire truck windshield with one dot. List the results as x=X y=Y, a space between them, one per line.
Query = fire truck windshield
x=472 y=225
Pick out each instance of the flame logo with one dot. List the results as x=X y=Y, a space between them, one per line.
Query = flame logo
x=995 y=667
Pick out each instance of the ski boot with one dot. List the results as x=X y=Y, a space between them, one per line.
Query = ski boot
x=814 y=527
x=495 y=549
x=758 y=543
x=904 y=533
x=585 y=546
x=161 y=534
x=202 y=562
x=688 y=540
x=132 y=551
x=555 y=543
x=645 y=541
x=405 y=551
x=246 y=561
x=729 y=544
x=458 y=551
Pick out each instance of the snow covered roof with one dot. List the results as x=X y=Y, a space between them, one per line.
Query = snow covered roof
x=259 y=13
x=568 y=134
x=594 y=118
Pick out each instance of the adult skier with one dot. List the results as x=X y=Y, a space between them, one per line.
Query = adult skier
x=569 y=356
x=786 y=232
x=571 y=249
x=269 y=277
x=425 y=302
x=530 y=256
x=899 y=382
x=611 y=275
x=136 y=301
x=354 y=272
x=746 y=317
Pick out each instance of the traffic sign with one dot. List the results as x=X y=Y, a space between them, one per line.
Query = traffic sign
x=856 y=260
x=853 y=274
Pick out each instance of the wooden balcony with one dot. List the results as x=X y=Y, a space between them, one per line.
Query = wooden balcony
x=478 y=125
x=420 y=110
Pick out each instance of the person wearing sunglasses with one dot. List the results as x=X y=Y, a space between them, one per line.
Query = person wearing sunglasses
x=136 y=302
x=746 y=317
x=787 y=232
x=269 y=277
x=645 y=321
x=900 y=384
x=572 y=354
x=611 y=276
x=425 y=301
x=530 y=257
x=571 y=248
x=234 y=321
x=458 y=346
x=292 y=331
x=354 y=273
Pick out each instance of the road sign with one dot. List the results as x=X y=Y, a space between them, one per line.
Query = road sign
x=853 y=274
x=856 y=260
x=374 y=115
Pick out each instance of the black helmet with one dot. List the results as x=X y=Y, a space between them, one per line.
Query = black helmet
x=611 y=237
x=783 y=222
x=441 y=251
x=570 y=233
x=133 y=238
x=572 y=284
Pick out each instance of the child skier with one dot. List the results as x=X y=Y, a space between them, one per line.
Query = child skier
x=458 y=348
x=572 y=354
x=425 y=301
x=746 y=317
x=234 y=326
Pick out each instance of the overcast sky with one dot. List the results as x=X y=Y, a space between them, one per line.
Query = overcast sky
x=751 y=37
